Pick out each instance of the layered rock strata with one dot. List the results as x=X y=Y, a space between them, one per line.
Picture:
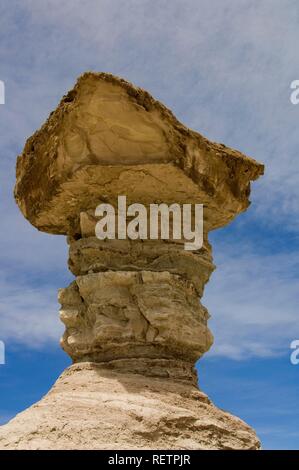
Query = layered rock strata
x=116 y=406
x=135 y=299
x=135 y=324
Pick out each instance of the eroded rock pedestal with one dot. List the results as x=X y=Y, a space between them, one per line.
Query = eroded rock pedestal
x=134 y=323
x=135 y=299
x=97 y=406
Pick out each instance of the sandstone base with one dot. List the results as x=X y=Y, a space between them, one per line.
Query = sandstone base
x=92 y=407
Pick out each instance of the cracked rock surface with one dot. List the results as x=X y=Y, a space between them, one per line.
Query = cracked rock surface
x=114 y=315
x=134 y=320
x=108 y=137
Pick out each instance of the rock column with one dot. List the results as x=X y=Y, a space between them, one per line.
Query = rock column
x=137 y=303
x=134 y=320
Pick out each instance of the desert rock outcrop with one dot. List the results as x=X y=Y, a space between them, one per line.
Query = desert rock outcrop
x=135 y=324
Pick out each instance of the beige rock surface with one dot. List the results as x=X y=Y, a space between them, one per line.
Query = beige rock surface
x=134 y=309
x=123 y=314
x=108 y=137
x=91 y=407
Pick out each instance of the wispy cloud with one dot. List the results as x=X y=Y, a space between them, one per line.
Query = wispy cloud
x=225 y=69
x=28 y=316
x=253 y=300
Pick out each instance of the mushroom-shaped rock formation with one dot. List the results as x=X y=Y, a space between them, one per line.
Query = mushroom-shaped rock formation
x=134 y=322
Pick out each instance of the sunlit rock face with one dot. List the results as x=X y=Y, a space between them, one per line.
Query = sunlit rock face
x=108 y=137
x=135 y=324
x=138 y=313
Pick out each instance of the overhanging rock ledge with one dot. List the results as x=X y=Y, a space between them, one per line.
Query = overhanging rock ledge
x=134 y=323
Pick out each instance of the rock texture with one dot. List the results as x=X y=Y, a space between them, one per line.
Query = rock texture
x=108 y=137
x=135 y=299
x=94 y=407
x=133 y=317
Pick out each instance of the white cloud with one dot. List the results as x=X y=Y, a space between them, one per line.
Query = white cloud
x=225 y=69
x=253 y=302
x=28 y=316
x=252 y=299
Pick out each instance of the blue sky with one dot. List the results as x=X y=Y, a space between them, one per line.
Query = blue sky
x=225 y=69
